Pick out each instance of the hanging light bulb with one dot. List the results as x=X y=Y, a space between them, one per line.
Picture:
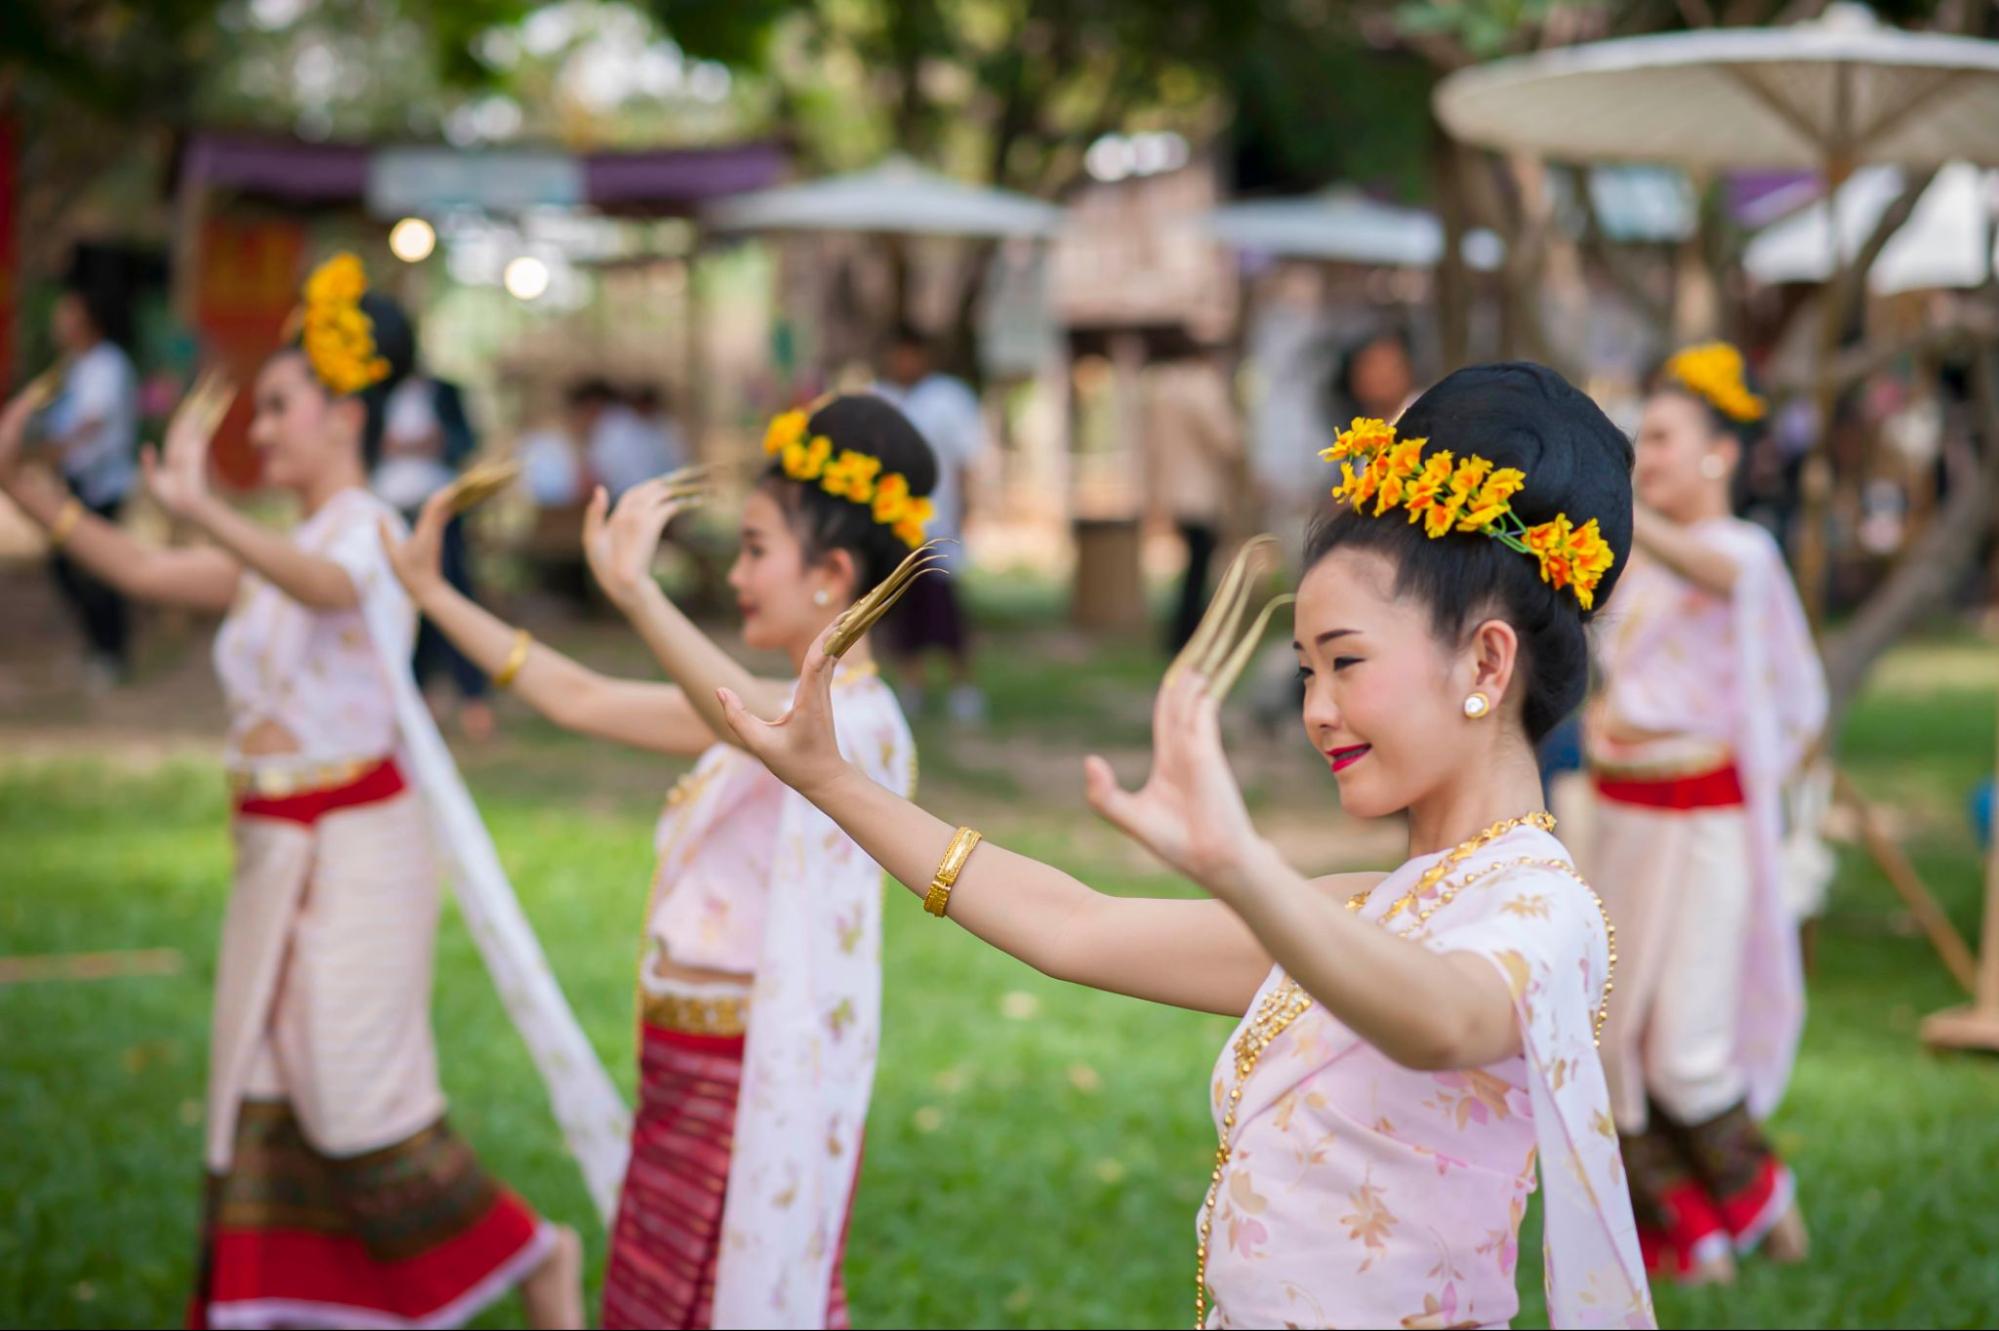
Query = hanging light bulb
x=526 y=277
x=412 y=240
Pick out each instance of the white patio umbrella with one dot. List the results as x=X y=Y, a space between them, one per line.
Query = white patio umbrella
x=896 y=197
x=1822 y=96
x=1343 y=226
x=1947 y=242
x=1829 y=96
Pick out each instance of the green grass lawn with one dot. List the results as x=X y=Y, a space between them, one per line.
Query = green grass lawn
x=1036 y=1152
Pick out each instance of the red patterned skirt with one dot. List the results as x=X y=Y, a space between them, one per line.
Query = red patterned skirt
x=668 y=1233
x=414 y=1234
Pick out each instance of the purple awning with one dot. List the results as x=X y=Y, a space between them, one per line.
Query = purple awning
x=667 y=180
x=279 y=168
x=685 y=176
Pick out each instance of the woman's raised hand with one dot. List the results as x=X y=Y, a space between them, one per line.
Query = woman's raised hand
x=1189 y=812
x=801 y=747
x=418 y=560
x=621 y=542
x=177 y=475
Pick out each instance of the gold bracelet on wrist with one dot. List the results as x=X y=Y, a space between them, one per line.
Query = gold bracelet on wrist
x=960 y=850
x=504 y=676
x=65 y=523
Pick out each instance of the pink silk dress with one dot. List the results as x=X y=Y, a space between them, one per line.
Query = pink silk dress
x=1363 y=1193
x=1719 y=678
x=752 y=878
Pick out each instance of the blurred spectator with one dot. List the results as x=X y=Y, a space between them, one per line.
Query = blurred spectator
x=427 y=439
x=622 y=446
x=1377 y=377
x=552 y=466
x=1194 y=457
x=93 y=428
x=1286 y=354
x=656 y=411
x=946 y=413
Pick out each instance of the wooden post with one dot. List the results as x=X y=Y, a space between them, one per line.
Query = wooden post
x=1977 y=1026
x=1902 y=876
x=694 y=395
x=1109 y=591
x=1815 y=480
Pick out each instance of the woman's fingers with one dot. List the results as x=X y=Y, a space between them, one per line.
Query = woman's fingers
x=1175 y=699
x=1112 y=802
x=594 y=511
x=819 y=659
x=436 y=512
x=757 y=734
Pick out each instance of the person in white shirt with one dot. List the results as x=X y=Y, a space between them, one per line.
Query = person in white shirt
x=930 y=619
x=93 y=428
x=655 y=409
x=625 y=447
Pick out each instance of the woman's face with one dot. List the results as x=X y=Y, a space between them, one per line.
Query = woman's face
x=1382 y=378
x=1673 y=474
x=298 y=427
x=774 y=586
x=1384 y=700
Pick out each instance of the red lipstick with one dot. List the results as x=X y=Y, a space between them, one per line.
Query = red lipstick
x=1343 y=758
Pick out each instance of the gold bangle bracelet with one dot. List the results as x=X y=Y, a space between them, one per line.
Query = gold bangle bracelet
x=65 y=523
x=960 y=850
x=504 y=677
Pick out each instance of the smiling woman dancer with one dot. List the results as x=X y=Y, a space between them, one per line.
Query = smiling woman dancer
x=338 y=1194
x=1712 y=696
x=1409 y=1043
x=760 y=993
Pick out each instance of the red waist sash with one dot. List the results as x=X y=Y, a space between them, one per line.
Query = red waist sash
x=380 y=782
x=1718 y=789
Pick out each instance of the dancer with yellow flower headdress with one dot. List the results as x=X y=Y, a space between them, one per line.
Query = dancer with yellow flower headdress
x=1410 y=1043
x=1712 y=696
x=338 y=1194
x=760 y=990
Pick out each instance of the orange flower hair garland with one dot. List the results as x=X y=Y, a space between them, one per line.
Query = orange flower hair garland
x=850 y=475
x=1448 y=495
x=337 y=335
x=1713 y=371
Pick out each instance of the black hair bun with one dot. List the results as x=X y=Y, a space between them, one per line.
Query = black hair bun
x=875 y=426
x=869 y=424
x=395 y=336
x=1519 y=414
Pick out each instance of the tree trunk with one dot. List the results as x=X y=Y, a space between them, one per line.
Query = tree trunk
x=1447 y=168
x=1931 y=569
x=961 y=336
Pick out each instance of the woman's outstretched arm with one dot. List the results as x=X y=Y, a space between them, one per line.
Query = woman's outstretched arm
x=639 y=713
x=1192 y=954
x=200 y=579
x=620 y=545
x=1423 y=1009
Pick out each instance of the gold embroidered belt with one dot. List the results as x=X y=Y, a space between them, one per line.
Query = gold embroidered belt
x=277 y=783
x=723 y=1015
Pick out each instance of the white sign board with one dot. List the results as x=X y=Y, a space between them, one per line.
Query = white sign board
x=430 y=180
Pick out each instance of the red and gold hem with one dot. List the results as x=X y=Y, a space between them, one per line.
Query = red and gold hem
x=415 y=1234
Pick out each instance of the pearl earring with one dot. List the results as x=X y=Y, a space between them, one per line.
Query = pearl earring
x=1713 y=467
x=822 y=598
x=1477 y=706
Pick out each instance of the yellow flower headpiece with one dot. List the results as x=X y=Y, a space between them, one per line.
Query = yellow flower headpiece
x=850 y=475
x=337 y=335
x=1713 y=372
x=1448 y=495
